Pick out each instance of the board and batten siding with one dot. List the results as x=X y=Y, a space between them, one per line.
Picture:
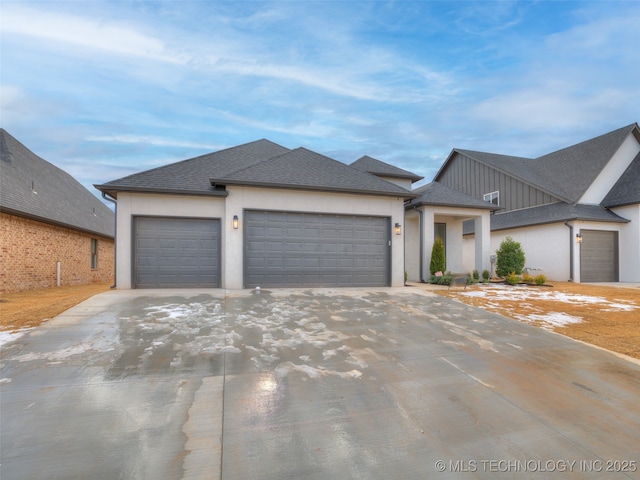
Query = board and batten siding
x=476 y=179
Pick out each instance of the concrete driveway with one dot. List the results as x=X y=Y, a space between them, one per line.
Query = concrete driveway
x=305 y=384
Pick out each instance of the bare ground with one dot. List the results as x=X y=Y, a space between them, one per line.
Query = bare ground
x=611 y=328
x=612 y=323
x=31 y=308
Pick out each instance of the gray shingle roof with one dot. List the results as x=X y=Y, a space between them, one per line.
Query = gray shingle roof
x=435 y=193
x=626 y=191
x=60 y=199
x=303 y=169
x=552 y=213
x=382 y=169
x=192 y=176
x=572 y=170
x=566 y=173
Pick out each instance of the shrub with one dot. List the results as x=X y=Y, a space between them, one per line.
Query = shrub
x=486 y=275
x=512 y=278
x=440 y=278
x=438 y=262
x=510 y=258
x=526 y=278
x=476 y=276
x=470 y=279
x=540 y=279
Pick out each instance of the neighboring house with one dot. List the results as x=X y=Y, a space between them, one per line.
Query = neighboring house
x=576 y=212
x=53 y=231
x=260 y=214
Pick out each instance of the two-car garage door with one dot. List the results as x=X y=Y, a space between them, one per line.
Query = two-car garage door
x=293 y=249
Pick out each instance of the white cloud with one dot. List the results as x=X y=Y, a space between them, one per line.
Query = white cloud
x=83 y=32
x=150 y=140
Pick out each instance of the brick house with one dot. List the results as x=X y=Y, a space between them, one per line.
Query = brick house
x=53 y=231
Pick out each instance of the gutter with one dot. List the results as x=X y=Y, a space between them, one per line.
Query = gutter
x=566 y=224
x=115 y=236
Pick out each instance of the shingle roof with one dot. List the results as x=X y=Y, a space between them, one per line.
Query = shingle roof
x=303 y=169
x=572 y=170
x=192 y=176
x=626 y=191
x=60 y=199
x=435 y=193
x=552 y=213
x=383 y=169
x=566 y=173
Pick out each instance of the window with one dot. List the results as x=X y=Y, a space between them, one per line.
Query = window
x=493 y=197
x=94 y=253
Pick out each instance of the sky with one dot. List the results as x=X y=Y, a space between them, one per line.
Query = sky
x=103 y=89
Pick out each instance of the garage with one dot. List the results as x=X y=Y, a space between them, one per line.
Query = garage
x=176 y=252
x=599 y=256
x=293 y=249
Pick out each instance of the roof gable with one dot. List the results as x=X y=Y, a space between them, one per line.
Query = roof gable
x=307 y=170
x=192 y=176
x=32 y=187
x=382 y=169
x=435 y=193
x=573 y=169
x=626 y=191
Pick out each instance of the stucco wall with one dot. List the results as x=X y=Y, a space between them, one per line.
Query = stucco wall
x=243 y=198
x=30 y=250
x=629 y=240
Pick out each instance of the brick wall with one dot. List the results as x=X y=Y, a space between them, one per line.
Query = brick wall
x=30 y=250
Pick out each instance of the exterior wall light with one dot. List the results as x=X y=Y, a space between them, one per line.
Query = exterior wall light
x=235 y=222
x=578 y=238
x=397 y=229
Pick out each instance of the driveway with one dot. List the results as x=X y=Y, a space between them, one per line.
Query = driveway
x=305 y=384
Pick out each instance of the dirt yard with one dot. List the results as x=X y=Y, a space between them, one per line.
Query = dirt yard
x=30 y=309
x=608 y=317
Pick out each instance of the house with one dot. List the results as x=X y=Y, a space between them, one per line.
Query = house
x=260 y=214
x=576 y=211
x=53 y=231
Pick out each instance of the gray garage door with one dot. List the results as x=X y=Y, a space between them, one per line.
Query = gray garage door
x=290 y=249
x=599 y=256
x=176 y=252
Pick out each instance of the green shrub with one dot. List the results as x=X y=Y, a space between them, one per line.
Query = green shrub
x=540 y=279
x=526 y=278
x=470 y=279
x=486 y=275
x=476 y=276
x=438 y=262
x=510 y=258
x=512 y=278
x=442 y=279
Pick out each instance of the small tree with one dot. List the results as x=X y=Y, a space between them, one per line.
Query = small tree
x=510 y=258
x=438 y=263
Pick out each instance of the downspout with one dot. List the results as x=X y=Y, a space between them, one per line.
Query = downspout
x=421 y=255
x=115 y=229
x=566 y=224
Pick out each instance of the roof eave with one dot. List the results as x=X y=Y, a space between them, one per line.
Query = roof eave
x=114 y=190
x=48 y=221
x=317 y=188
x=456 y=205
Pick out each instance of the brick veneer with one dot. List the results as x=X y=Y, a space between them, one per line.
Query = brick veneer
x=30 y=250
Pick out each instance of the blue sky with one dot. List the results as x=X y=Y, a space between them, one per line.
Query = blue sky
x=103 y=89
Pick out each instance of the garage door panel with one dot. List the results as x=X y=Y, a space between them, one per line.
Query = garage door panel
x=599 y=256
x=319 y=250
x=176 y=252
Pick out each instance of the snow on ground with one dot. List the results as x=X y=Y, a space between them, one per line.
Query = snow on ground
x=6 y=337
x=524 y=294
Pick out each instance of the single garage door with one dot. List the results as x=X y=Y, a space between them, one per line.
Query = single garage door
x=599 y=256
x=176 y=252
x=291 y=249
